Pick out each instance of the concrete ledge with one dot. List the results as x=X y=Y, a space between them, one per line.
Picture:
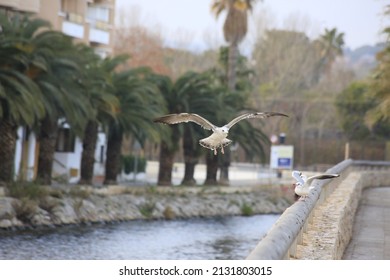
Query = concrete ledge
x=331 y=229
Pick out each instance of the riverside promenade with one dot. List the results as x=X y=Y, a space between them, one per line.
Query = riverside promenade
x=371 y=229
x=323 y=225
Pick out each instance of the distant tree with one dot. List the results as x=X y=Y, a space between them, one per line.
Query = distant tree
x=144 y=46
x=234 y=29
x=353 y=104
x=330 y=46
x=380 y=85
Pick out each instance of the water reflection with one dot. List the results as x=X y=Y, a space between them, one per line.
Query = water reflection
x=213 y=238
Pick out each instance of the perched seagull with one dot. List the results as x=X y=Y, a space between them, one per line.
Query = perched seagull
x=302 y=186
x=218 y=138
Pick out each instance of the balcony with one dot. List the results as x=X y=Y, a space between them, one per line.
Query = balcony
x=99 y=32
x=73 y=25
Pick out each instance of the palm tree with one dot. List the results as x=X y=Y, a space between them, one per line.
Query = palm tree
x=65 y=99
x=140 y=102
x=49 y=59
x=234 y=30
x=189 y=93
x=200 y=101
x=21 y=101
x=330 y=47
x=98 y=87
x=230 y=102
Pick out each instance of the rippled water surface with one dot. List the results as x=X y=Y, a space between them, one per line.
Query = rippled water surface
x=203 y=239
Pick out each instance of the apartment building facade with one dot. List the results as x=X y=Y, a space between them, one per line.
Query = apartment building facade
x=88 y=21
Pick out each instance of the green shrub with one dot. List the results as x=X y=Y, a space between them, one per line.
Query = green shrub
x=147 y=209
x=129 y=162
x=246 y=209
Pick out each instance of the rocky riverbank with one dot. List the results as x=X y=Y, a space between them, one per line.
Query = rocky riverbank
x=80 y=204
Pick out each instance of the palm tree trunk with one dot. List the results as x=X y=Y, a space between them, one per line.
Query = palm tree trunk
x=7 y=151
x=232 y=63
x=190 y=158
x=88 y=154
x=167 y=156
x=211 y=169
x=113 y=157
x=224 y=167
x=231 y=79
x=47 y=142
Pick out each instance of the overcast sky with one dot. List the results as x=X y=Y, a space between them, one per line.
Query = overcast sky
x=189 y=22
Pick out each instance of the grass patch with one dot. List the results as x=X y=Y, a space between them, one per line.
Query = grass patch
x=246 y=209
x=147 y=208
x=30 y=190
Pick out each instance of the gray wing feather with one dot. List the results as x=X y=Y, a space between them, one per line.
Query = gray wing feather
x=257 y=115
x=321 y=177
x=185 y=117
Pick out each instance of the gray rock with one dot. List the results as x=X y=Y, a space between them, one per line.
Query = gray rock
x=40 y=217
x=5 y=223
x=65 y=213
x=87 y=212
x=7 y=210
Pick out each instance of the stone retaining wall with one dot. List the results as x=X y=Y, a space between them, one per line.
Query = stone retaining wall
x=118 y=203
x=329 y=233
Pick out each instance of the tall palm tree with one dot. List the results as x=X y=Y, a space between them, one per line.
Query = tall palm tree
x=174 y=94
x=330 y=47
x=234 y=29
x=21 y=102
x=140 y=102
x=228 y=100
x=65 y=99
x=200 y=101
x=189 y=93
x=98 y=87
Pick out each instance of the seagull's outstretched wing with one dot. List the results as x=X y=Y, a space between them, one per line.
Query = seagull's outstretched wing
x=298 y=176
x=186 y=117
x=321 y=177
x=258 y=115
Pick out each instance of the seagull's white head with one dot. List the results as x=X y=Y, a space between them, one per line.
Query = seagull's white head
x=225 y=130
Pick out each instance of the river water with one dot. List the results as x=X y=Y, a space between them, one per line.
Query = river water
x=190 y=239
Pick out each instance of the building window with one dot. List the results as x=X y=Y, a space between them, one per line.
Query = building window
x=98 y=13
x=65 y=141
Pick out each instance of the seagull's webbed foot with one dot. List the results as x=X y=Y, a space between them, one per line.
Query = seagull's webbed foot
x=222 y=150
x=215 y=152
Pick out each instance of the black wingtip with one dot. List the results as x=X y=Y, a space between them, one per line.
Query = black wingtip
x=277 y=114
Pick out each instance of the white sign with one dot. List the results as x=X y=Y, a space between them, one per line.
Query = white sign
x=282 y=156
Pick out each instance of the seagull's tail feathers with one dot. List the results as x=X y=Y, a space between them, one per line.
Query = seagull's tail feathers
x=206 y=143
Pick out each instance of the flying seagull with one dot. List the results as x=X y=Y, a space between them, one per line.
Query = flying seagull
x=218 y=138
x=302 y=186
